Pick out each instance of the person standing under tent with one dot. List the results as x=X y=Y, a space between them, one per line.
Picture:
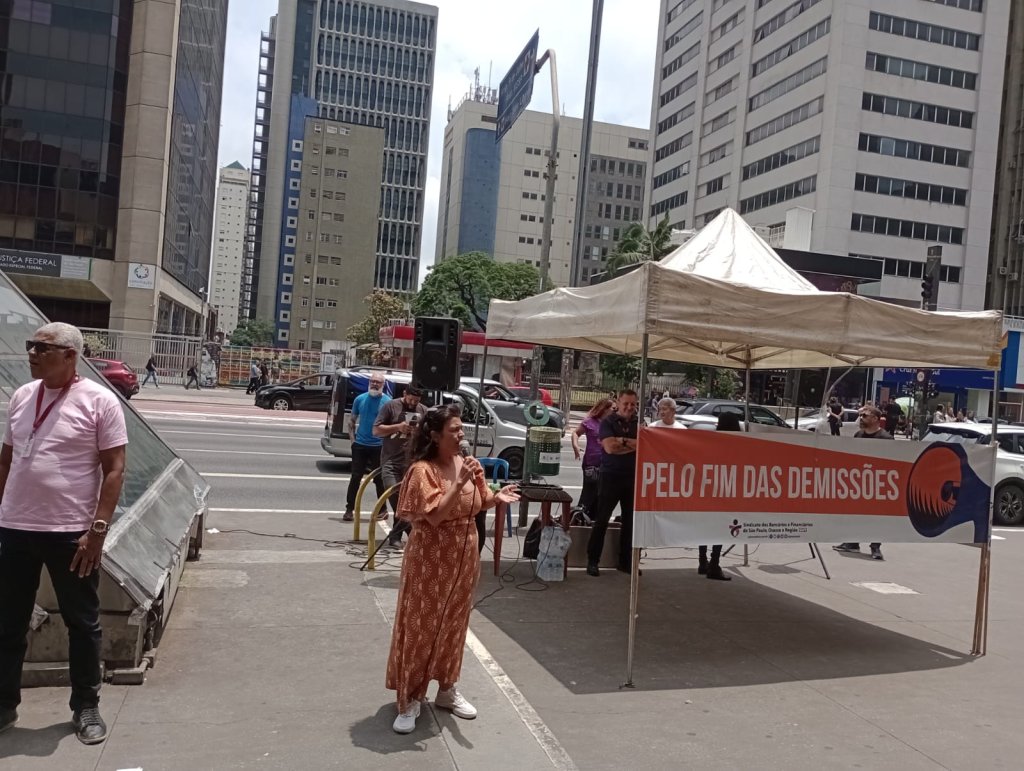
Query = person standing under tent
x=870 y=428
x=618 y=470
x=666 y=413
x=592 y=454
x=711 y=569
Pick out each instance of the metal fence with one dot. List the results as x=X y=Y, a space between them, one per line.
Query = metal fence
x=174 y=353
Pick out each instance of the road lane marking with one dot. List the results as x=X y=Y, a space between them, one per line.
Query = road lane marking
x=274 y=511
x=337 y=478
x=250 y=452
x=207 y=417
x=247 y=436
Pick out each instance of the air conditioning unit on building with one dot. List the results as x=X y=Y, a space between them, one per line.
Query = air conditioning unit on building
x=1002 y=270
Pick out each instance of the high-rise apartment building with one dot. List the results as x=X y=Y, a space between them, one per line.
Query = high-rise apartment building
x=229 y=244
x=363 y=63
x=881 y=119
x=109 y=121
x=493 y=194
x=329 y=229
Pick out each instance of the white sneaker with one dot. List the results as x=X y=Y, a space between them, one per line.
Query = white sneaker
x=455 y=702
x=405 y=723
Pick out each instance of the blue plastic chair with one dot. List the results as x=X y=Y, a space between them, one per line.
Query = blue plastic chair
x=499 y=472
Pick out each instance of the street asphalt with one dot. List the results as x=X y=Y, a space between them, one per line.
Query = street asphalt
x=275 y=651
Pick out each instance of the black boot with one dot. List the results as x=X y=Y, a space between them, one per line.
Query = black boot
x=715 y=573
x=89 y=726
x=593 y=569
x=8 y=719
x=702 y=564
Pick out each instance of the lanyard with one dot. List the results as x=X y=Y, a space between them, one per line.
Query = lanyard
x=40 y=419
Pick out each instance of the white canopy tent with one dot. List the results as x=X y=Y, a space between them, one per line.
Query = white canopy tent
x=726 y=299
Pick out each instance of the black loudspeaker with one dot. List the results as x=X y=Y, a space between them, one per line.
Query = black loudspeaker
x=435 y=353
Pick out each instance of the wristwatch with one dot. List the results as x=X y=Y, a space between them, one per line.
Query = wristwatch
x=100 y=527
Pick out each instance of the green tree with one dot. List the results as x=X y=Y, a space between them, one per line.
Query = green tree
x=638 y=244
x=463 y=286
x=383 y=307
x=253 y=332
x=626 y=369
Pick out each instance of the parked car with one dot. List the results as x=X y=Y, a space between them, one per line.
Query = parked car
x=312 y=392
x=121 y=377
x=708 y=410
x=850 y=426
x=498 y=436
x=1009 y=495
x=523 y=392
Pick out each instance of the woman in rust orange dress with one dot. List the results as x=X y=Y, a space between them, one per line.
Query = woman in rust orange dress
x=441 y=494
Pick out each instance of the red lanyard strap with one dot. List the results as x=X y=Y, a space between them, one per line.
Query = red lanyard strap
x=40 y=419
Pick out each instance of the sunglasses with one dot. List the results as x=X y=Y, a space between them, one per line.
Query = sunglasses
x=44 y=347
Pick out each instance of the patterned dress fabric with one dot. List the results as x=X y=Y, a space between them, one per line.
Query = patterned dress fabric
x=440 y=568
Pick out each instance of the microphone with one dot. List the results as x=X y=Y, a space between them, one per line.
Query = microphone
x=464 y=449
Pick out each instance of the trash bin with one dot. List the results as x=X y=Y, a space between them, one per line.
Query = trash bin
x=544 y=456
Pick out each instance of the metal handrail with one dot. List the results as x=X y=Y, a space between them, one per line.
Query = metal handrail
x=371 y=537
x=359 y=502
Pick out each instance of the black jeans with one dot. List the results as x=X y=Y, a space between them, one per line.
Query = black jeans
x=22 y=557
x=616 y=490
x=254 y=383
x=591 y=489
x=364 y=459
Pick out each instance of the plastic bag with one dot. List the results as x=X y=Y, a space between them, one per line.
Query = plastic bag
x=554 y=545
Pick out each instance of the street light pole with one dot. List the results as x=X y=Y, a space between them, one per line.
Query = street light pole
x=549 y=207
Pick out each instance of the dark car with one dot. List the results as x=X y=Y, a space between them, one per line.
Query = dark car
x=312 y=392
x=121 y=377
x=708 y=410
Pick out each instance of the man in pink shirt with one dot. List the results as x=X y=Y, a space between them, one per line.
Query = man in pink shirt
x=61 y=470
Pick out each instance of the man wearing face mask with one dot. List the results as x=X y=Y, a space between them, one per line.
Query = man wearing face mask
x=365 y=446
x=395 y=423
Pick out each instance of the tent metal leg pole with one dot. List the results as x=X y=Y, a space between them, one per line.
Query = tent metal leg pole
x=746 y=556
x=634 y=590
x=480 y=397
x=980 y=643
x=816 y=552
x=746 y=427
x=634 y=573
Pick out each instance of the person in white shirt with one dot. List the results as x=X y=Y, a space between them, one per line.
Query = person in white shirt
x=666 y=414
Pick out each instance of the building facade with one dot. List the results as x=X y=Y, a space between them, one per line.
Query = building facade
x=229 y=245
x=1006 y=285
x=493 y=194
x=880 y=119
x=329 y=230
x=109 y=116
x=363 y=63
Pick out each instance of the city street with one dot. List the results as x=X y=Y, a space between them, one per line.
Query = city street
x=276 y=648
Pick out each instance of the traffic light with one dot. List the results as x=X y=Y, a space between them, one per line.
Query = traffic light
x=927 y=288
x=930 y=279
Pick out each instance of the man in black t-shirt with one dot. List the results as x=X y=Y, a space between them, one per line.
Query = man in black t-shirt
x=870 y=428
x=618 y=469
x=395 y=423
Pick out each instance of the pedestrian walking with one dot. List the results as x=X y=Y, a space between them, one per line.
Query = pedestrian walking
x=193 y=377
x=57 y=519
x=618 y=469
x=396 y=421
x=441 y=496
x=150 y=372
x=365 y=446
x=254 y=378
x=870 y=428
x=264 y=373
x=835 y=417
x=590 y=427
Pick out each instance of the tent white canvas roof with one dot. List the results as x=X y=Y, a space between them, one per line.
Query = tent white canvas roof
x=726 y=299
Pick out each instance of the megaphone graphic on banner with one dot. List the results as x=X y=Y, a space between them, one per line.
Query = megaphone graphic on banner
x=943 y=491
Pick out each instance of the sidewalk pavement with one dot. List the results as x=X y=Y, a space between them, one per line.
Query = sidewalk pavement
x=275 y=658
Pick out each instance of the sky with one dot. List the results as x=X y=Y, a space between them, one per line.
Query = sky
x=468 y=38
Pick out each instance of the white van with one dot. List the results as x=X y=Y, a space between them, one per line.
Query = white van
x=497 y=438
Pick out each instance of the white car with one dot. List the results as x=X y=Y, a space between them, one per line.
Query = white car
x=850 y=426
x=1009 y=500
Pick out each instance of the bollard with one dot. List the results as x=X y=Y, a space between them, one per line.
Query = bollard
x=359 y=502
x=371 y=536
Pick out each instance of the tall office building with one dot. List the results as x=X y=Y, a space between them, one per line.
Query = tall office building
x=229 y=244
x=364 y=63
x=1006 y=286
x=878 y=121
x=109 y=121
x=493 y=194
